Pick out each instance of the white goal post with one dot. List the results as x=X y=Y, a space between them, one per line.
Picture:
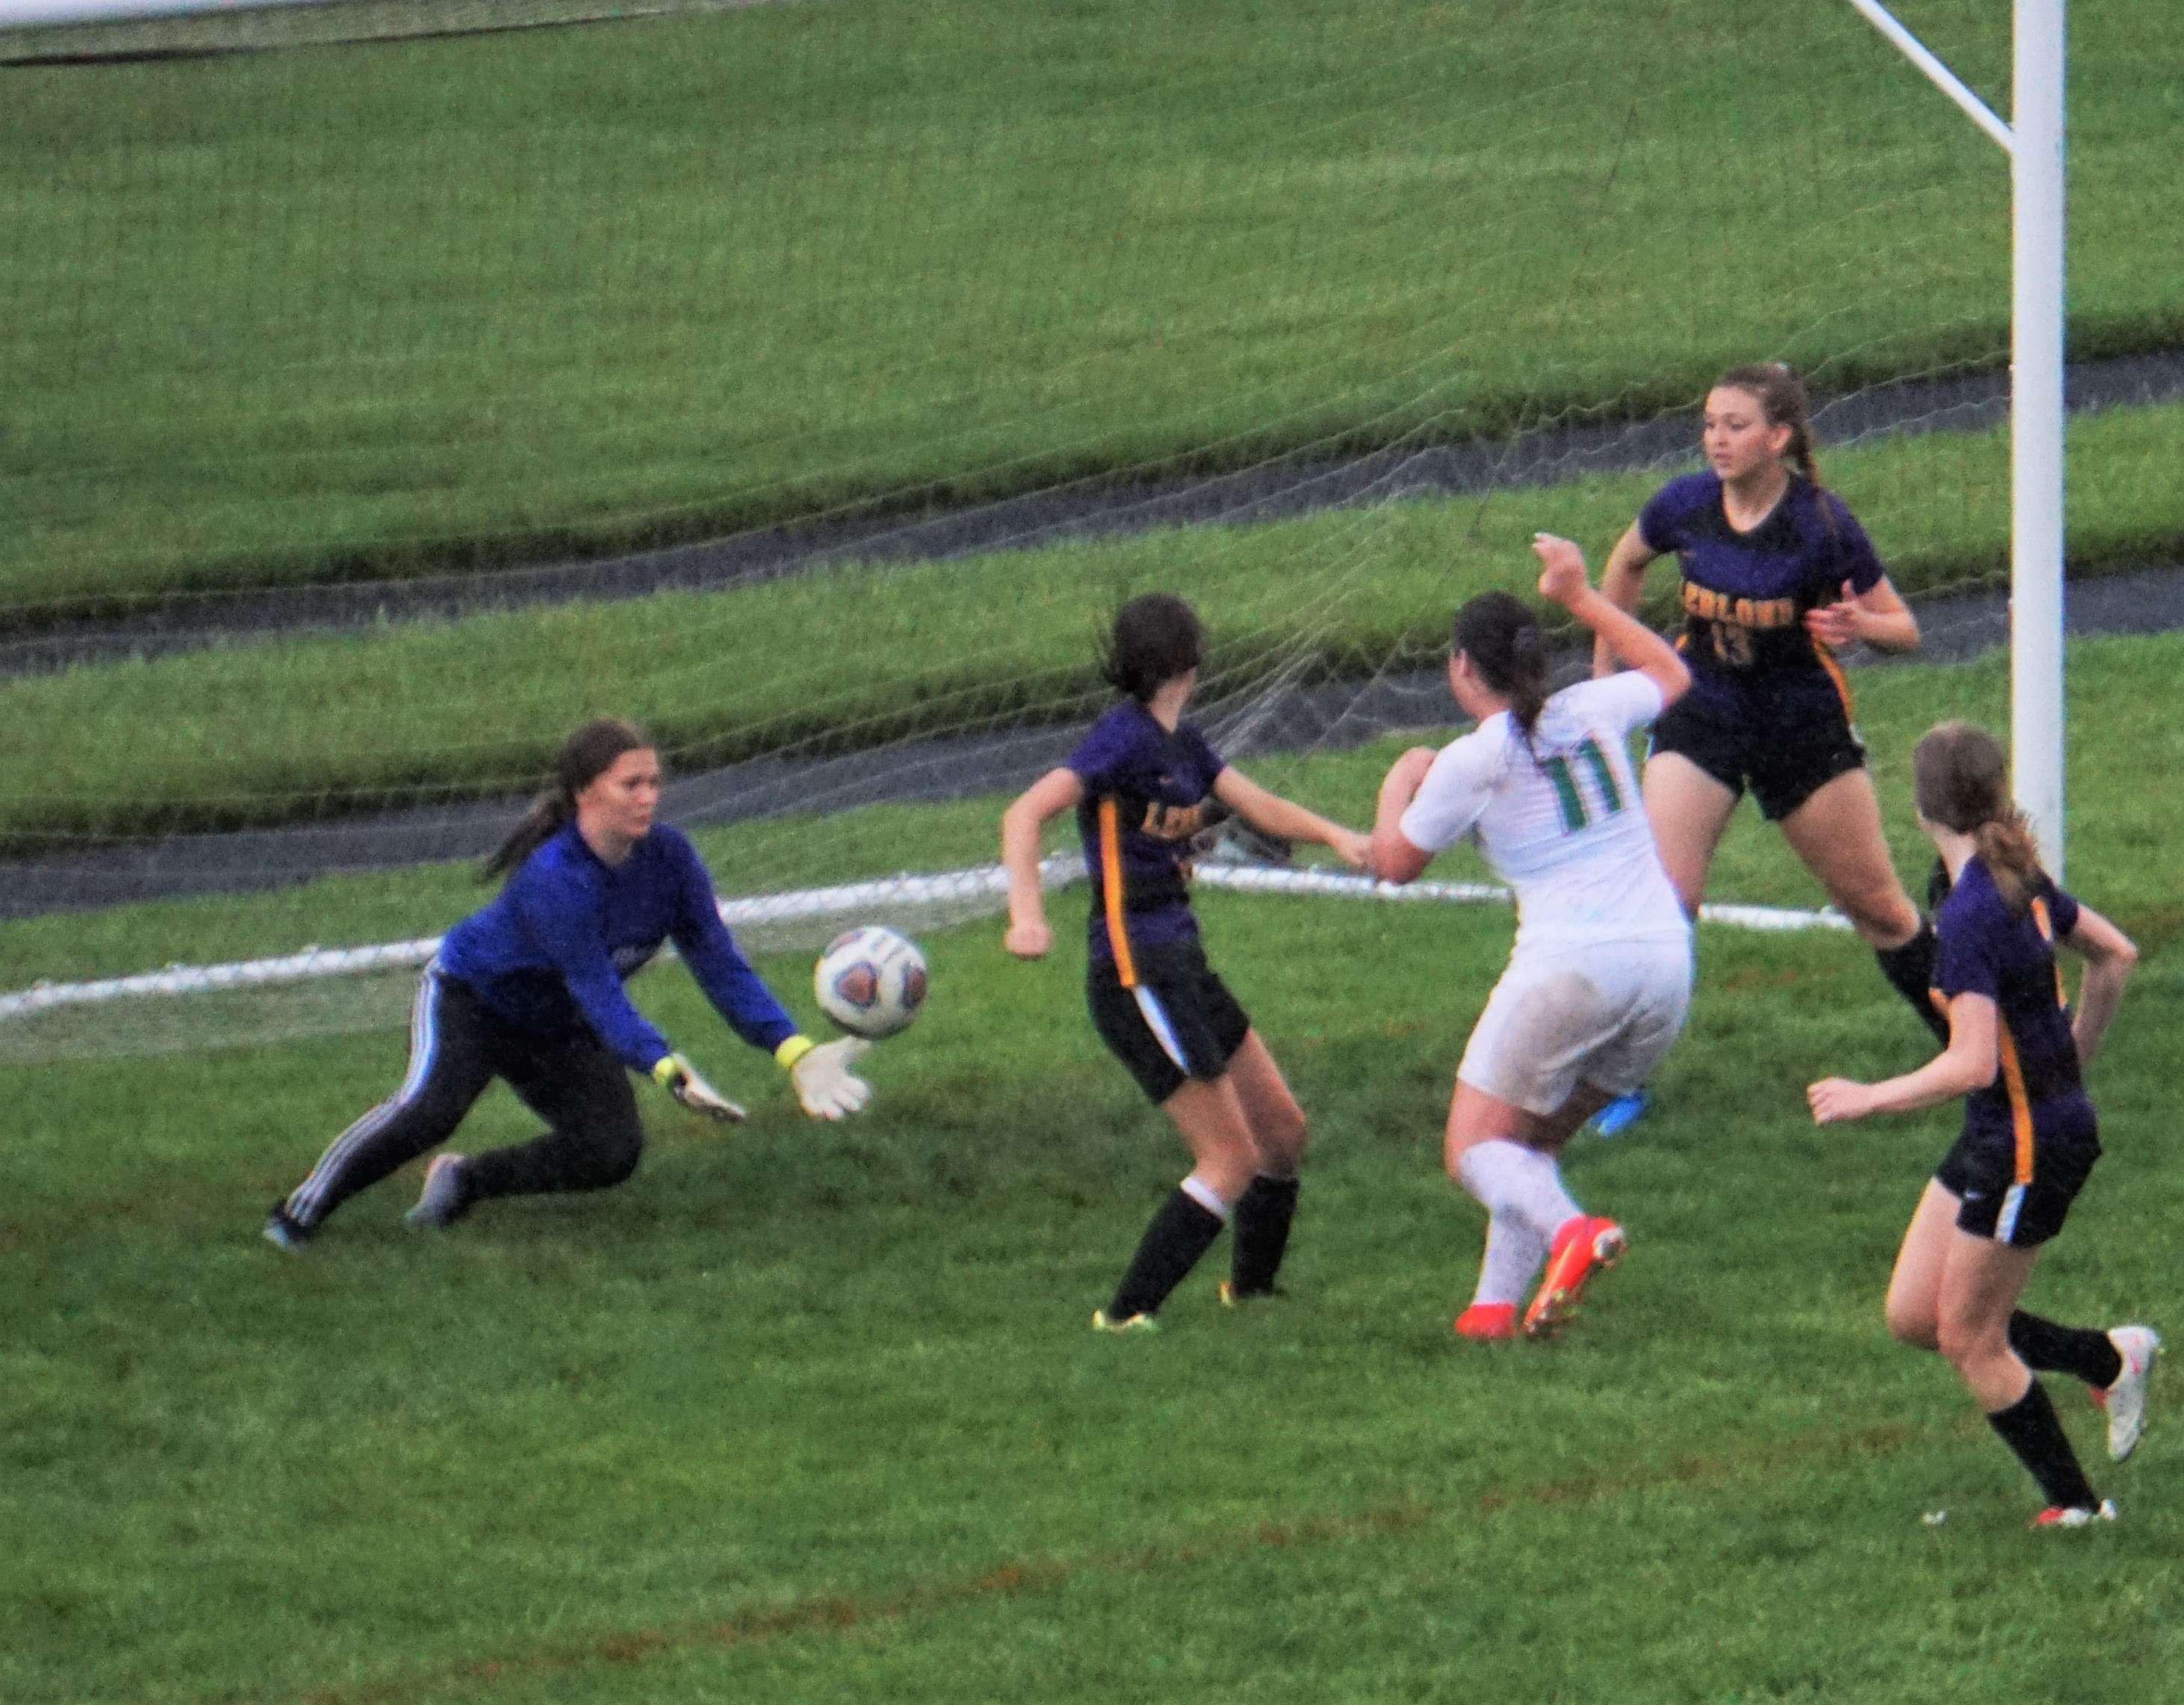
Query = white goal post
x=2035 y=143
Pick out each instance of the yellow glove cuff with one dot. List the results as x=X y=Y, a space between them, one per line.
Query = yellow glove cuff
x=795 y=1049
x=666 y=1069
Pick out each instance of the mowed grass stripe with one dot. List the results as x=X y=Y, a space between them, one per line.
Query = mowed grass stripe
x=335 y=312
x=858 y=658
x=1709 y=1476
x=2119 y=733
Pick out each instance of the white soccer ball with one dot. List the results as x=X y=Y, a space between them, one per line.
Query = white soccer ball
x=870 y=981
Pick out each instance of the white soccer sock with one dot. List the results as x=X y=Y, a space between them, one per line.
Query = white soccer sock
x=1509 y=1177
x=1514 y=1255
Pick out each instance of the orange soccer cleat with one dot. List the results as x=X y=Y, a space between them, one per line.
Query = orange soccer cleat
x=1487 y=1323
x=1582 y=1246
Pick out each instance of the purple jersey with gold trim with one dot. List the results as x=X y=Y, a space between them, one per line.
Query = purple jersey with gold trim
x=1143 y=791
x=1745 y=594
x=1983 y=948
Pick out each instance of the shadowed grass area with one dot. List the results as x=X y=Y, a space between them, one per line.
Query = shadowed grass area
x=354 y=311
x=856 y=659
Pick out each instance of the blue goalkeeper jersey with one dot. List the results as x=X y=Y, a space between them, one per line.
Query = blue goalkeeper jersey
x=568 y=930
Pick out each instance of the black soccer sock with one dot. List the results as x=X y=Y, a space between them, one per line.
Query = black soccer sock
x=2030 y=1429
x=1909 y=970
x=1260 y=1234
x=2081 y=1351
x=1180 y=1232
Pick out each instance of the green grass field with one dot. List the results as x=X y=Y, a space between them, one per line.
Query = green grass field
x=809 y=1413
x=359 y=311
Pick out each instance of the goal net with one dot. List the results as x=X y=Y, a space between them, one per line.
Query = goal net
x=394 y=383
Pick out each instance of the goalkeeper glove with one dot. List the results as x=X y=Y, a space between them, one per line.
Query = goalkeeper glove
x=820 y=1073
x=680 y=1079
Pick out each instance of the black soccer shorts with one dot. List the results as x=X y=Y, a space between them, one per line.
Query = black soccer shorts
x=1981 y=1172
x=1179 y=1022
x=1784 y=759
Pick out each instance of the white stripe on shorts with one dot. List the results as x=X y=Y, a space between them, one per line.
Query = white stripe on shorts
x=1156 y=1017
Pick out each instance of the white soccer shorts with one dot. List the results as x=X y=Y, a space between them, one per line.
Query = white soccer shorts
x=1604 y=1018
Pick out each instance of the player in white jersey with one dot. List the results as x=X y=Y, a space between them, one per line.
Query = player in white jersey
x=1600 y=979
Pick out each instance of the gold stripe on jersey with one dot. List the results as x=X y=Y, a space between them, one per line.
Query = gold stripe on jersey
x=2046 y=926
x=1835 y=674
x=2020 y=1107
x=1110 y=884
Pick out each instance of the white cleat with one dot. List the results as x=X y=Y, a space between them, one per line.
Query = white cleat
x=443 y=1201
x=2125 y=1399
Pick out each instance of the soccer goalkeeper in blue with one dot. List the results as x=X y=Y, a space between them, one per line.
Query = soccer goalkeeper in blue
x=529 y=990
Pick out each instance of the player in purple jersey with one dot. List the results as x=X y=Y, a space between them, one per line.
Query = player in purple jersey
x=2015 y=1054
x=530 y=990
x=1144 y=783
x=1777 y=575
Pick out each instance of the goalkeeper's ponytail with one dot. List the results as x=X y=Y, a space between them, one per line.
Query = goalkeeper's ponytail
x=587 y=754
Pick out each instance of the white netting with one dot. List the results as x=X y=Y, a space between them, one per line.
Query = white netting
x=369 y=403
x=319 y=991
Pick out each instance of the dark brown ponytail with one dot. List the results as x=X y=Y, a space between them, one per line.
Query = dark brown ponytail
x=1961 y=780
x=587 y=754
x=1155 y=637
x=1502 y=639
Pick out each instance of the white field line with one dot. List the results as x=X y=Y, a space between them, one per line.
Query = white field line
x=843 y=900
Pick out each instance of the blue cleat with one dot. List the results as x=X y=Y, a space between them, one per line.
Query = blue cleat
x=284 y=1232
x=1618 y=1115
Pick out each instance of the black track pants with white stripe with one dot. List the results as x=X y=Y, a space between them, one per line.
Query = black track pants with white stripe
x=457 y=1048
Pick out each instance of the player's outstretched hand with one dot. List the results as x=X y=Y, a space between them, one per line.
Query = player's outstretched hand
x=1834 y=624
x=680 y=1079
x=1562 y=578
x=824 y=1083
x=1028 y=941
x=1353 y=849
x=1835 y=1100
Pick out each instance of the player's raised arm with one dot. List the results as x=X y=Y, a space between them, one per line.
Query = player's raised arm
x=1028 y=935
x=1621 y=581
x=1619 y=635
